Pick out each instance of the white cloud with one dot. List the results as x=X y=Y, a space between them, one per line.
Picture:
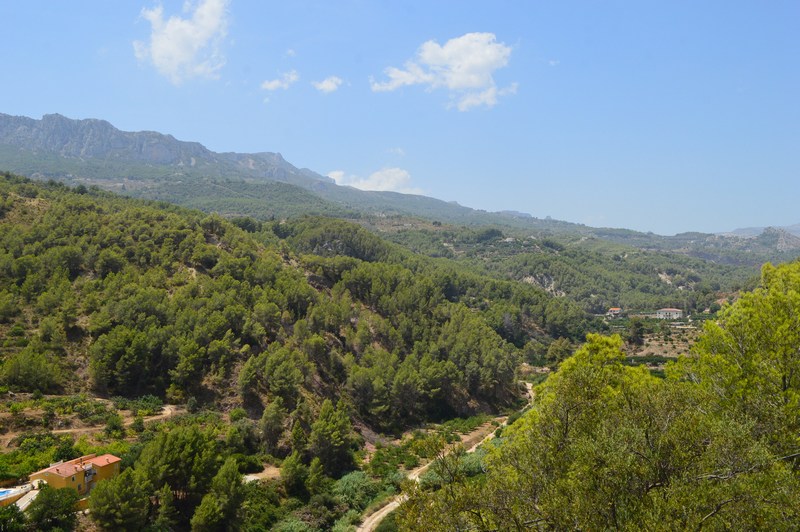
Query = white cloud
x=182 y=48
x=329 y=84
x=487 y=97
x=284 y=82
x=554 y=62
x=290 y=52
x=385 y=179
x=400 y=152
x=464 y=65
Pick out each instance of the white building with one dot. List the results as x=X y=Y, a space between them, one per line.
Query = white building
x=669 y=314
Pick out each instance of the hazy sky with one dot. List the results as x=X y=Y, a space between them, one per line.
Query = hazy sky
x=662 y=116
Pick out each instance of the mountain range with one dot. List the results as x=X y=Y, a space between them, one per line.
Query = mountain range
x=264 y=185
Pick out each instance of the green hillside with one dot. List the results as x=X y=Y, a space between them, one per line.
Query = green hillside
x=290 y=335
x=608 y=446
x=593 y=272
x=140 y=298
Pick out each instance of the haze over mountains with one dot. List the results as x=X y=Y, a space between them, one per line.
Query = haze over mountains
x=156 y=166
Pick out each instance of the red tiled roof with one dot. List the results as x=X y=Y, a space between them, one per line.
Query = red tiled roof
x=62 y=470
x=76 y=465
x=104 y=460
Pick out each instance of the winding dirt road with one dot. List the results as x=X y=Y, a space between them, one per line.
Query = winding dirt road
x=372 y=521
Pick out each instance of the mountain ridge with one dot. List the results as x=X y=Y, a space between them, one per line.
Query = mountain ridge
x=93 y=138
x=157 y=166
x=95 y=152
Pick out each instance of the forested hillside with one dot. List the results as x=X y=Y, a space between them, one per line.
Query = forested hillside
x=132 y=298
x=299 y=330
x=606 y=446
x=140 y=298
x=594 y=273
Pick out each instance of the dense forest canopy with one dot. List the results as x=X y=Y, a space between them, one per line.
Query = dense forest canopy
x=130 y=298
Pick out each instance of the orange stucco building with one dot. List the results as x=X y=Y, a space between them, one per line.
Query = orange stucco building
x=80 y=474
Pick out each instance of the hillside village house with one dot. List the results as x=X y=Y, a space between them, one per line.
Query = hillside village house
x=614 y=312
x=80 y=474
x=669 y=314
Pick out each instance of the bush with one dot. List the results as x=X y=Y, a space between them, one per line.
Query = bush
x=29 y=371
x=237 y=414
x=356 y=489
x=248 y=464
x=347 y=522
x=114 y=426
x=389 y=523
x=192 y=405
x=147 y=405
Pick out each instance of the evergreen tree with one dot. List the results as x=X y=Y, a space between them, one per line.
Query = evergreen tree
x=167 y=517
x=330 y=439
x=272 y=424
x=12 y=519
x=185 y=458
x=316 y=482
x=119 y=503
x=53 y=509
x=294 y=474
x=219 y=509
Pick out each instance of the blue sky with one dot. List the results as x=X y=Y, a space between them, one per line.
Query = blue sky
x=656 y=116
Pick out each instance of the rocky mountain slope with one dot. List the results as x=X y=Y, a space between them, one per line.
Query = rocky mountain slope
x=81 y=141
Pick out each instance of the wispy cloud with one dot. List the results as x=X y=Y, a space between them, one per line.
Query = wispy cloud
x=185 y=47
x=487 y=97
x=329 y=84
x=400 y=152
x=465 y=66
x=284 y=82
x=385 y=179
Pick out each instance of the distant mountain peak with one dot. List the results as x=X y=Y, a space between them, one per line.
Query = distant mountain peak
x=753 y=232
x=94 y=139
x=779 y=239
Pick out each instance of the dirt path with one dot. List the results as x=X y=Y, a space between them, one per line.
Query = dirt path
x=476 y=438
x=270 y=472
x=167 y=412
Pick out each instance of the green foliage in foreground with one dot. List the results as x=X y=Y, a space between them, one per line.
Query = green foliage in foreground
x=714 y=445
x=53 y=509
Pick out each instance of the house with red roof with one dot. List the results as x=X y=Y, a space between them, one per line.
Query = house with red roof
x=80 y=474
